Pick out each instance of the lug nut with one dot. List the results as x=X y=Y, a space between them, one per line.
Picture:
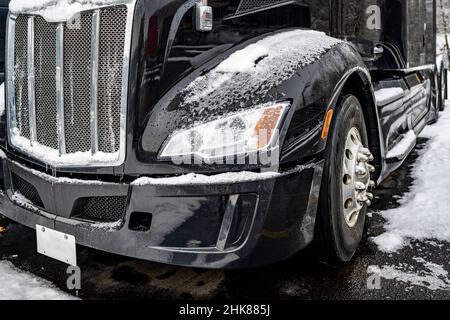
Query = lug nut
x=369 y=195
x=368 y=203
x=361 y=171
x=360 y=186
x=362 y=198
x=371 y=168
x=362 y=157
x=366 y=152
x=372 y=184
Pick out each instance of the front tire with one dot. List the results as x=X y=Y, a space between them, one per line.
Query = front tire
x=345 y=186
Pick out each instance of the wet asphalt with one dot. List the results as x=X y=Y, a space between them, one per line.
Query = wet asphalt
x=107 y=276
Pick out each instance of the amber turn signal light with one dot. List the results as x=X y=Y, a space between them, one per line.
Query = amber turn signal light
x=326 y=125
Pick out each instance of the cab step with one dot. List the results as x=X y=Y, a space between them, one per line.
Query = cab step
x=403 y=148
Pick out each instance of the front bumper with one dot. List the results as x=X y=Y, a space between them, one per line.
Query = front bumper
x=233 y=225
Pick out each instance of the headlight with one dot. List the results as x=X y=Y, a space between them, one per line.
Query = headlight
x=238 y=134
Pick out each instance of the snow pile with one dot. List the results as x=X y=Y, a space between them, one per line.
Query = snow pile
x=404 y=146
x=387 y=95
x=22 y=201
x=432 y=277
x=62 y=180
x=58 y=10
x=255 y=69
x=19 y=285
x=425 y=211
x=223 y=178
x=2 y=99
x=199 y=179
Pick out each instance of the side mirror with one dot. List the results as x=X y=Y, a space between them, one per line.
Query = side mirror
x=203 y=17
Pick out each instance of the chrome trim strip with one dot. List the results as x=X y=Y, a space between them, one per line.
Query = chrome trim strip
x=10 y=76
x=31 y=81
x=95 y=41
x=227 y=222
x=125 y=76
x=60 y=88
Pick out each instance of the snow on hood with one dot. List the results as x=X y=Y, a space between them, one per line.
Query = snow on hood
x=58 y=10
x=256 y=69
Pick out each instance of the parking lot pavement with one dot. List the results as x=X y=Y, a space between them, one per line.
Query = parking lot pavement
x=418 y=271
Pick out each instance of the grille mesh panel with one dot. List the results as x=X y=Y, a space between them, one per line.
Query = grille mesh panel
x=77 y=52
x=27 y=190
x=112 y=40
x=45 y=83
x=101 y=209
x=77 y=79
x=250 y=5
x=21 y=75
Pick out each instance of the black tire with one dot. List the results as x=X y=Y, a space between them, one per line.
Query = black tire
x=443 y=87
x=336 y=241
x=435 y=97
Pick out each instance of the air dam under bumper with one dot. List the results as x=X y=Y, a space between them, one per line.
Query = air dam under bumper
x=234 y=225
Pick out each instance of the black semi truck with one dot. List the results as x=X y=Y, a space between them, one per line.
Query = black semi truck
x=211 y=133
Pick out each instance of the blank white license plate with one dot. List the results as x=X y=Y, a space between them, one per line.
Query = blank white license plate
x=56 y=245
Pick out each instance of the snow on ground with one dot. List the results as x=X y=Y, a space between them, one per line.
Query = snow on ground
x=18 y=285
x=424 y=213
x=429 y=275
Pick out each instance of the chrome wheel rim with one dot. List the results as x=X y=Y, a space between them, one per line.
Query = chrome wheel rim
x=355 y=178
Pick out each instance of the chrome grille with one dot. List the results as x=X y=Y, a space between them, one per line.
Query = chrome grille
x=252 y=5
x=45 y=82
x=27 y=190
x=100 y=209
x=67 y=89
x=77 y=79
x=112 y=30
